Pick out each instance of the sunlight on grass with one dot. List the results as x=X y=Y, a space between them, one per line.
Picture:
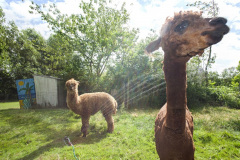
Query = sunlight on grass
x=9 y=105
x=39 y=134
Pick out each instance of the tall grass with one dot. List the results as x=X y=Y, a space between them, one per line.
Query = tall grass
x=39 y=134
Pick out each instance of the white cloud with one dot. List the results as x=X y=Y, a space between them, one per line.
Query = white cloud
x=236 y=25
x=3 y=3
x=151 y=16
x=18 y=11
x=230 y=11
x=69 y=6
x=227 y=52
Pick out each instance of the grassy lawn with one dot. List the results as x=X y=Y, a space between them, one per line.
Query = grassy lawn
x=39 y=134
x=9 y=105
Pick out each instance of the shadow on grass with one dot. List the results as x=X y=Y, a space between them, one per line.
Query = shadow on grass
x=59 y=143
x=92 y=137
x=45 y=128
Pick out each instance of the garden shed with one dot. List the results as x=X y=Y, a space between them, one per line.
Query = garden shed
x=50 y=92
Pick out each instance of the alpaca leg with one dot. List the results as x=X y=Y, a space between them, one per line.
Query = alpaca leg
x=85 y=125
x=110 y=123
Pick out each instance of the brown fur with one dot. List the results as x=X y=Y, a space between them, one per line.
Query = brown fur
x=174 y=122
x=90 y=103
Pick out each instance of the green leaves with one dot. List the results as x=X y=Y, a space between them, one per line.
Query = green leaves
x=210 y=7
x=96 y=33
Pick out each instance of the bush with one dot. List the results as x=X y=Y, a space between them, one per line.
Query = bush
x=215 y=95
x=226 y=96
x=197 y=95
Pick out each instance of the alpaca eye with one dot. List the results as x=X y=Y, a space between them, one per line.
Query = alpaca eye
x=181 y=27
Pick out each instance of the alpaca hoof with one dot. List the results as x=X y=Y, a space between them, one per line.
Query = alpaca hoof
x=84 y=136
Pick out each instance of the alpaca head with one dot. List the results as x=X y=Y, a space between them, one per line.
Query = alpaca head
x=72 y=85
x=187 y=34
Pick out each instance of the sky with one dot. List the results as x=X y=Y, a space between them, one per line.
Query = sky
x=145 y=15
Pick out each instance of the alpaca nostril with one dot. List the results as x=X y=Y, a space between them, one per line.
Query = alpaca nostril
x=218 y=20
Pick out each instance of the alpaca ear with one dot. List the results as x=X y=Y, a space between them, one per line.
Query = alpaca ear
x=153 y=46
x=78 y=82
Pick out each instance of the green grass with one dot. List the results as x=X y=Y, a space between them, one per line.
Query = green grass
x=39 y=134
x=9 y=105
x=217 y=133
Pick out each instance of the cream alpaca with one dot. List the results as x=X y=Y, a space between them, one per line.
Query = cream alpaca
x=90 y=103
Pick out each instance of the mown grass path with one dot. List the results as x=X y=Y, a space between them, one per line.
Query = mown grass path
x=39 y=134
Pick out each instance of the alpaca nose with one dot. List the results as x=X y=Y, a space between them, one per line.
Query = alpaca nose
x=217 y=20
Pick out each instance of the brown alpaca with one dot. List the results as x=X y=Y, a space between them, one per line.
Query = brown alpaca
x=90 y=103
x=185 y=35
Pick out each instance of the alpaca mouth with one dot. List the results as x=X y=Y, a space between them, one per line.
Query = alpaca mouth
x=216 y=35
x=194 y=53
x=71 y=89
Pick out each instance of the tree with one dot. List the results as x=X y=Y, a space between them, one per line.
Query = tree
x=58 y=55
x=236 y=79
x=211 y=9
x=24 y=50
x=3 y=45
x=214 y=79
x=227 y=75
x=7 y=86
x=133 y=76
x=95 y=35
x=195 y=72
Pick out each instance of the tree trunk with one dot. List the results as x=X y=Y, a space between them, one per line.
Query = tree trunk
x=208 y=62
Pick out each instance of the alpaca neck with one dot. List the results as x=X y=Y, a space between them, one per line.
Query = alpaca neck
x=175 y=76
x=72 y=99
